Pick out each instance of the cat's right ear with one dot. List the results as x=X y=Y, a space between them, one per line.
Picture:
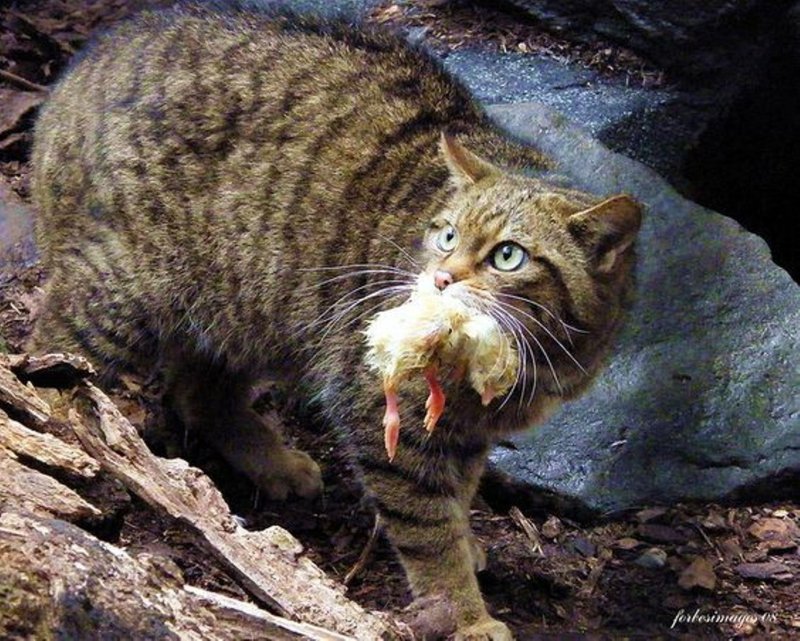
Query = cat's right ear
x=466 y=168
x=607 y=230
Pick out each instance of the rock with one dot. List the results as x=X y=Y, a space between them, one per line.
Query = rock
x=653 y=558
x=697 y=38
x=703 y=384
x=655 y=126
x=582 y=546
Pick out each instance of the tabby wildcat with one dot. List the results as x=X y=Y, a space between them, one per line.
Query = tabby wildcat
x=229 y=195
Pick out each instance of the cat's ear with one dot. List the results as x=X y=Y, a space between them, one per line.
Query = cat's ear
x=465 y=167
x=607 y=229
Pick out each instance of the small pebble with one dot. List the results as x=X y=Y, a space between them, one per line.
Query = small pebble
x=654 y=558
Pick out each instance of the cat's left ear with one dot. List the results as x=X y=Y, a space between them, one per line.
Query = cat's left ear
x=607 y=229
x=466 y=168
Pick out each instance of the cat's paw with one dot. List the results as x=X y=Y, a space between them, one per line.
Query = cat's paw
x=487 y=629
x=431 y=618
x=294 y=472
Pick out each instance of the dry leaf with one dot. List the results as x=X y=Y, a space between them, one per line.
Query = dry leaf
x=770 y=570
x=660 y=533
x=627 y=543
x=650 y=514
x=16 y=105
x=699 y=574
x=775 y=534
x=714 y=522
x=552 y=527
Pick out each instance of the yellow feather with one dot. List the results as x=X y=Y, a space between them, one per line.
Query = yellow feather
x=435 y=328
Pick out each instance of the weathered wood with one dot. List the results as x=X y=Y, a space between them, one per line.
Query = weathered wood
x=50 y=370
x=528 y=527
x=56 y=577
x=226 y=603
x=269 y=564
x=24 y=489
x=45 y=448
x=21 y=400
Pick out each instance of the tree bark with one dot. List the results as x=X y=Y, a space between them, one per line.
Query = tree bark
x=57 y=578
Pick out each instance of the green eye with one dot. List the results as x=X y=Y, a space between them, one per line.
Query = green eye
x=447 y=239
x=508 y=257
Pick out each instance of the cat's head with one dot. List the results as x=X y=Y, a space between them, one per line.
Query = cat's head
x=553 y=263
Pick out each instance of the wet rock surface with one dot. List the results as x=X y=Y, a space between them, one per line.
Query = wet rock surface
x=700 y=399
x=696 y=38
x=655 y=126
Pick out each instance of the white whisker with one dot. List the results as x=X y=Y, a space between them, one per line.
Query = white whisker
x=565 y=326
x=353 y=265
x=335 y=312
x=524 y=352
x=406 y=255
x=332 y=323
x=362 y=272
x=549 y=333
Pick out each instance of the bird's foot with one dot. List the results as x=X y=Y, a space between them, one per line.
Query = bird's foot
x=436 y=400
x=391 y=422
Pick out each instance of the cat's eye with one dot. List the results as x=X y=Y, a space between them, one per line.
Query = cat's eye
x=507 y=257
x=447 y=239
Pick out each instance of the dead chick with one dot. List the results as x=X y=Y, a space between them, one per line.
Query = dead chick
x=405 y=340
x=430 y=330
x=491 y=359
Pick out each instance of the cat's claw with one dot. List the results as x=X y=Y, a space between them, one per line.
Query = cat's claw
x=435 y=402
x=391 y=421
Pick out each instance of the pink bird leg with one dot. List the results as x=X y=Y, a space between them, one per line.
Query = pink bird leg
x=436 y=399
x=391 y=420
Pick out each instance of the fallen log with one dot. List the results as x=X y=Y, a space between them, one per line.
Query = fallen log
x=24 y=489
x=49 y=370
x=55 y=576
x=269 y=563
x=124 y=596
x=45 y=448
x=21 y=400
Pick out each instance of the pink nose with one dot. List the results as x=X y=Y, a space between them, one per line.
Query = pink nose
x=442 y=279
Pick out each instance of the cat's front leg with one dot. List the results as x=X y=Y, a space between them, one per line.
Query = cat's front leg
x=423 y=499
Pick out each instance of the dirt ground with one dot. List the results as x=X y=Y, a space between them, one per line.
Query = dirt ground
x=677 y=572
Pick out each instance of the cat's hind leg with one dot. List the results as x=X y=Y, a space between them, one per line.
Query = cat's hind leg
x=215 y=402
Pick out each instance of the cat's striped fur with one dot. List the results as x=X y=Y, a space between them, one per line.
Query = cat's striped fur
x=200 y=179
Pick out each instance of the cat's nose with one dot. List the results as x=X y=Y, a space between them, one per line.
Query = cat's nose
x=442 y=279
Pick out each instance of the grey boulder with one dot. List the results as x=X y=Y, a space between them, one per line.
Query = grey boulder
x=700 y=400
x=689 y=37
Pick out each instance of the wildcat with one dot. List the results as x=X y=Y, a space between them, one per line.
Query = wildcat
x=229 y=195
